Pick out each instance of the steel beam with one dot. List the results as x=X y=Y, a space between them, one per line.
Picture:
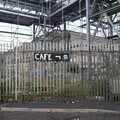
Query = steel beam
x=105 y=11
x=23 y=5
x=98 y=13
x=20 y=13
x=88 y=38
x=15 y=33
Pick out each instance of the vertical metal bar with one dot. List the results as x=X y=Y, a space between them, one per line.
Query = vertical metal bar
x=114 y=73
x=12 y=70
x=3 y=72
x=117 y=67
x=100 y=70
x=48 y=83
x=4 y=86
x=118 y=55
x=88 y=42
x=1 y=63
x=41 y=69
x=4 y=65
x=24 y=75
x=63 y=63
x=34 y=35
x=39 y=74
x=19 y=65
x=10 y=77
x=88 y=35
x=23 y=61
x=65 y=27
x=50 y=70
x=29 y=71
x=88 y=23
x=54 y=66
x=82 y=73
x=7 y=68
x=34 y=66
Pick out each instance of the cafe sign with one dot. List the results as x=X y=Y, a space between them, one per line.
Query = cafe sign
x=51 y=56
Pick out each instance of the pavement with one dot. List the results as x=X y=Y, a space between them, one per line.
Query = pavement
x=55 y=116
x=114 y=107
x=47 y=111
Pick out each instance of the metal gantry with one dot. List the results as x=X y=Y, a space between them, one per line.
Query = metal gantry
x=104 y=14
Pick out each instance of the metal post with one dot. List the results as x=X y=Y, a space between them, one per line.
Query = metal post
x=88 y=23
x=16 y=72
x=65 y=36
x=16 y=55
x=88 y=36
x=34 y=35
x=111 y=26
x=65 y=26
x=35 y=49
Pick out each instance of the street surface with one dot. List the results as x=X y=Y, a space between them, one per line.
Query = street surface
x=39 y=115
x=69 y=106
x=55 y=116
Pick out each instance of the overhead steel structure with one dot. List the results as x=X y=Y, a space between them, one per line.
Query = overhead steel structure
x=51 y=13
x=56 y=11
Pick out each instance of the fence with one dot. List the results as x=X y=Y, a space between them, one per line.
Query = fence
x=75 y=80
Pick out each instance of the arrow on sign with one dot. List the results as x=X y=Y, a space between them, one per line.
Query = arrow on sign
x=59 y=57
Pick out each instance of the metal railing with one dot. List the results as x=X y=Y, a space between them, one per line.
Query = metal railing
x=60 y=81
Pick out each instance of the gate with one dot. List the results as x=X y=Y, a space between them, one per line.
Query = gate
x=65 y=79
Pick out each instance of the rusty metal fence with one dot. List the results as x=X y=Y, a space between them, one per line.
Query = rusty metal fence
x=24 y=79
